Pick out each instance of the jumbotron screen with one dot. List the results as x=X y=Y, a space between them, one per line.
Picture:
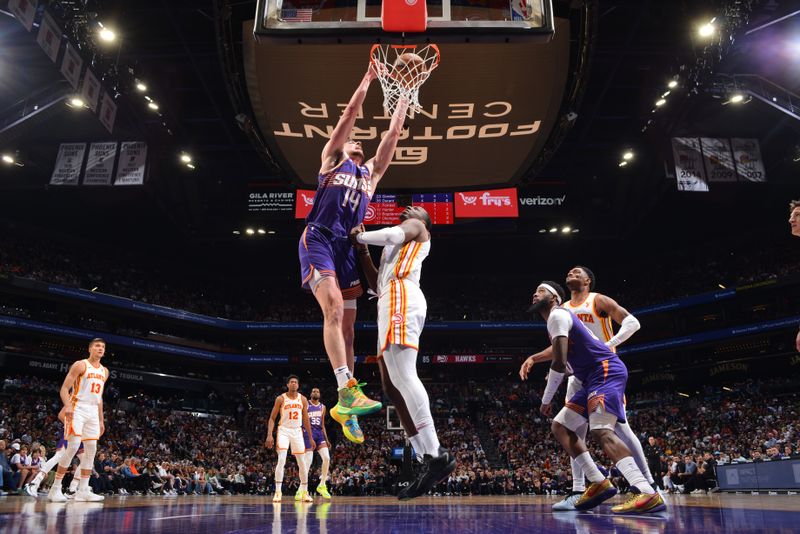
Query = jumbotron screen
x=385 y=209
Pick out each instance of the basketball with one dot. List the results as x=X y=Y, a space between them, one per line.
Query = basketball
x=407 y=67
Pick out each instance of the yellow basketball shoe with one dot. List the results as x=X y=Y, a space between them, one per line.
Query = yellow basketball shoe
x=350 y=427
x=303 y=496
x=322 y=489
x=352 y=400
x=642 y=503
x=595 y=494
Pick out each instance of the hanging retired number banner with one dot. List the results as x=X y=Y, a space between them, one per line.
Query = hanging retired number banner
x=71 y=65
x=90 y=90
x=100 y=163
x=24 y=10
x=108 y=112
x=49 y=37
x=718 y=159
x=131 y=166
x=689 y=168
x=749 y=165
x=68 y=164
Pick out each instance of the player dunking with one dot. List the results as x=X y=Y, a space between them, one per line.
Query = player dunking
x=316 y=416
x=346 y=184
x=596 y=311
x=603 y=377
x=32 y=488
x=401 y=317
x=83 y=420
x=293 y=408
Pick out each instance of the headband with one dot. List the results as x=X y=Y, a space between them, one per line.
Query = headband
x=550 y=288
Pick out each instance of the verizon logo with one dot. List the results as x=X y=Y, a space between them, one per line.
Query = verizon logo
x=542 y=201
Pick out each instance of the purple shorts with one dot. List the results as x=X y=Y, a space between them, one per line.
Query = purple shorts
x=321 y=251
x=319 y=439
x=605 y=387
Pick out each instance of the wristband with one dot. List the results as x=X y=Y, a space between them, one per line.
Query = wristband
x=554 y=379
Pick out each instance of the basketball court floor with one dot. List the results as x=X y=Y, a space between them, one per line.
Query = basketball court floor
x=463 y=515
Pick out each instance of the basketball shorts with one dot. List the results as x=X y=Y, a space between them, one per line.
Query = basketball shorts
x=291 y=438
x=401 y=315
x=85 y=423
x=324 y=254
x=603 y=393
x=62 y=444
x=319 y=439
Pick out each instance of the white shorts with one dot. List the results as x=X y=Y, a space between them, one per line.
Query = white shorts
x=85 y=423
x=291 y=437
x=401 y=315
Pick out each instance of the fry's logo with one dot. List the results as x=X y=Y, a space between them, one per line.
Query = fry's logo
x=494 y=203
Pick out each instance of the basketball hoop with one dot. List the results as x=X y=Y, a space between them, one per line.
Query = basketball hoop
x=401 y=70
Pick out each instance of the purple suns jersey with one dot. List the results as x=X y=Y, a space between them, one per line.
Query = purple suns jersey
x=342 y=198
x=315 y=415
x=585 y=353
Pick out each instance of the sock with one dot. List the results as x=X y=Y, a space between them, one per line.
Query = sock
x=629 y=438
x=278 y=486
x=326 y=464
x=343 y=375
x=578 y=480
x=57 y=483
x=419 y=448
x=304 y=487
x=83 y=485
x=584 y=460
x=73 y=485
x=38 y=479
x=627 y=466
x=429 y=439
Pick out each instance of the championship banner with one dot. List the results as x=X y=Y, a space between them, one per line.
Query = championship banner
x=100 y=163
x=71 y=65
x=68 y=164
x=271 y=202
x=304 y=203
x=108 y=112
x=689 y=168
x=24 y=10
x=749 y=165
x=718 y=159
x=131 y=166
x=49 y=37
x=494 y=203
x=90 y=92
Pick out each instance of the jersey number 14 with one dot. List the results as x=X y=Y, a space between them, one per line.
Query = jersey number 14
x=352 y=197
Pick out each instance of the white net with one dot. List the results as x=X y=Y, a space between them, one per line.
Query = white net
x=401 y=70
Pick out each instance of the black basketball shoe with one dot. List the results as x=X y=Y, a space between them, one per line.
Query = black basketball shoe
x=434 y=470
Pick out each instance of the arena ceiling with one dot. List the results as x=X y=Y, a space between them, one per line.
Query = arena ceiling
x=175 y=46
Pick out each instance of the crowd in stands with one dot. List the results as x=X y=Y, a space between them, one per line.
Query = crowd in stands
x=278 y=297
x=502 y=444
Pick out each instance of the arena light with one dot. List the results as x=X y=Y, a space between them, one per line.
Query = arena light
x=185 y=157
x=261 y=231
x=623 y=163
x=627 y=155
x=95 y=288
x=566 y=230
x=76 y=102
x=543 y=231
x=721 y=286
x=106 y=34
x=249 y=231
x=153 y=106
x=236 y=232
x=673 y=84
x=141 y=87
x=8 y=158
x=707 y=29
x=660 y=102
x=575 y=230
x=190 y=166
x=683 y=394
x=271 y=232
x=553 y=230
x=726 y=388
x=738 y=98
x=665 y=95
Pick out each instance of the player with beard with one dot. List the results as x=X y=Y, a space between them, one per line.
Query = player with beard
x=596 y=311
x=316 y=415
x=603 y=376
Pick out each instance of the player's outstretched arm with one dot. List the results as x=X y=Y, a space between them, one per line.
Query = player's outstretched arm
x=276 y=408
x=335 y=145
x=629 y=324
x=406 y=231
x=544 y=356
x=383 y=157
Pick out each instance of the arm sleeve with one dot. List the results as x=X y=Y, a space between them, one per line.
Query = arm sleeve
x=629 y=326
x=386 y=236
x=559 y=323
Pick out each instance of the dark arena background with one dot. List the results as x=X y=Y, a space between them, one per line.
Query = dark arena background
x=159 y=162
